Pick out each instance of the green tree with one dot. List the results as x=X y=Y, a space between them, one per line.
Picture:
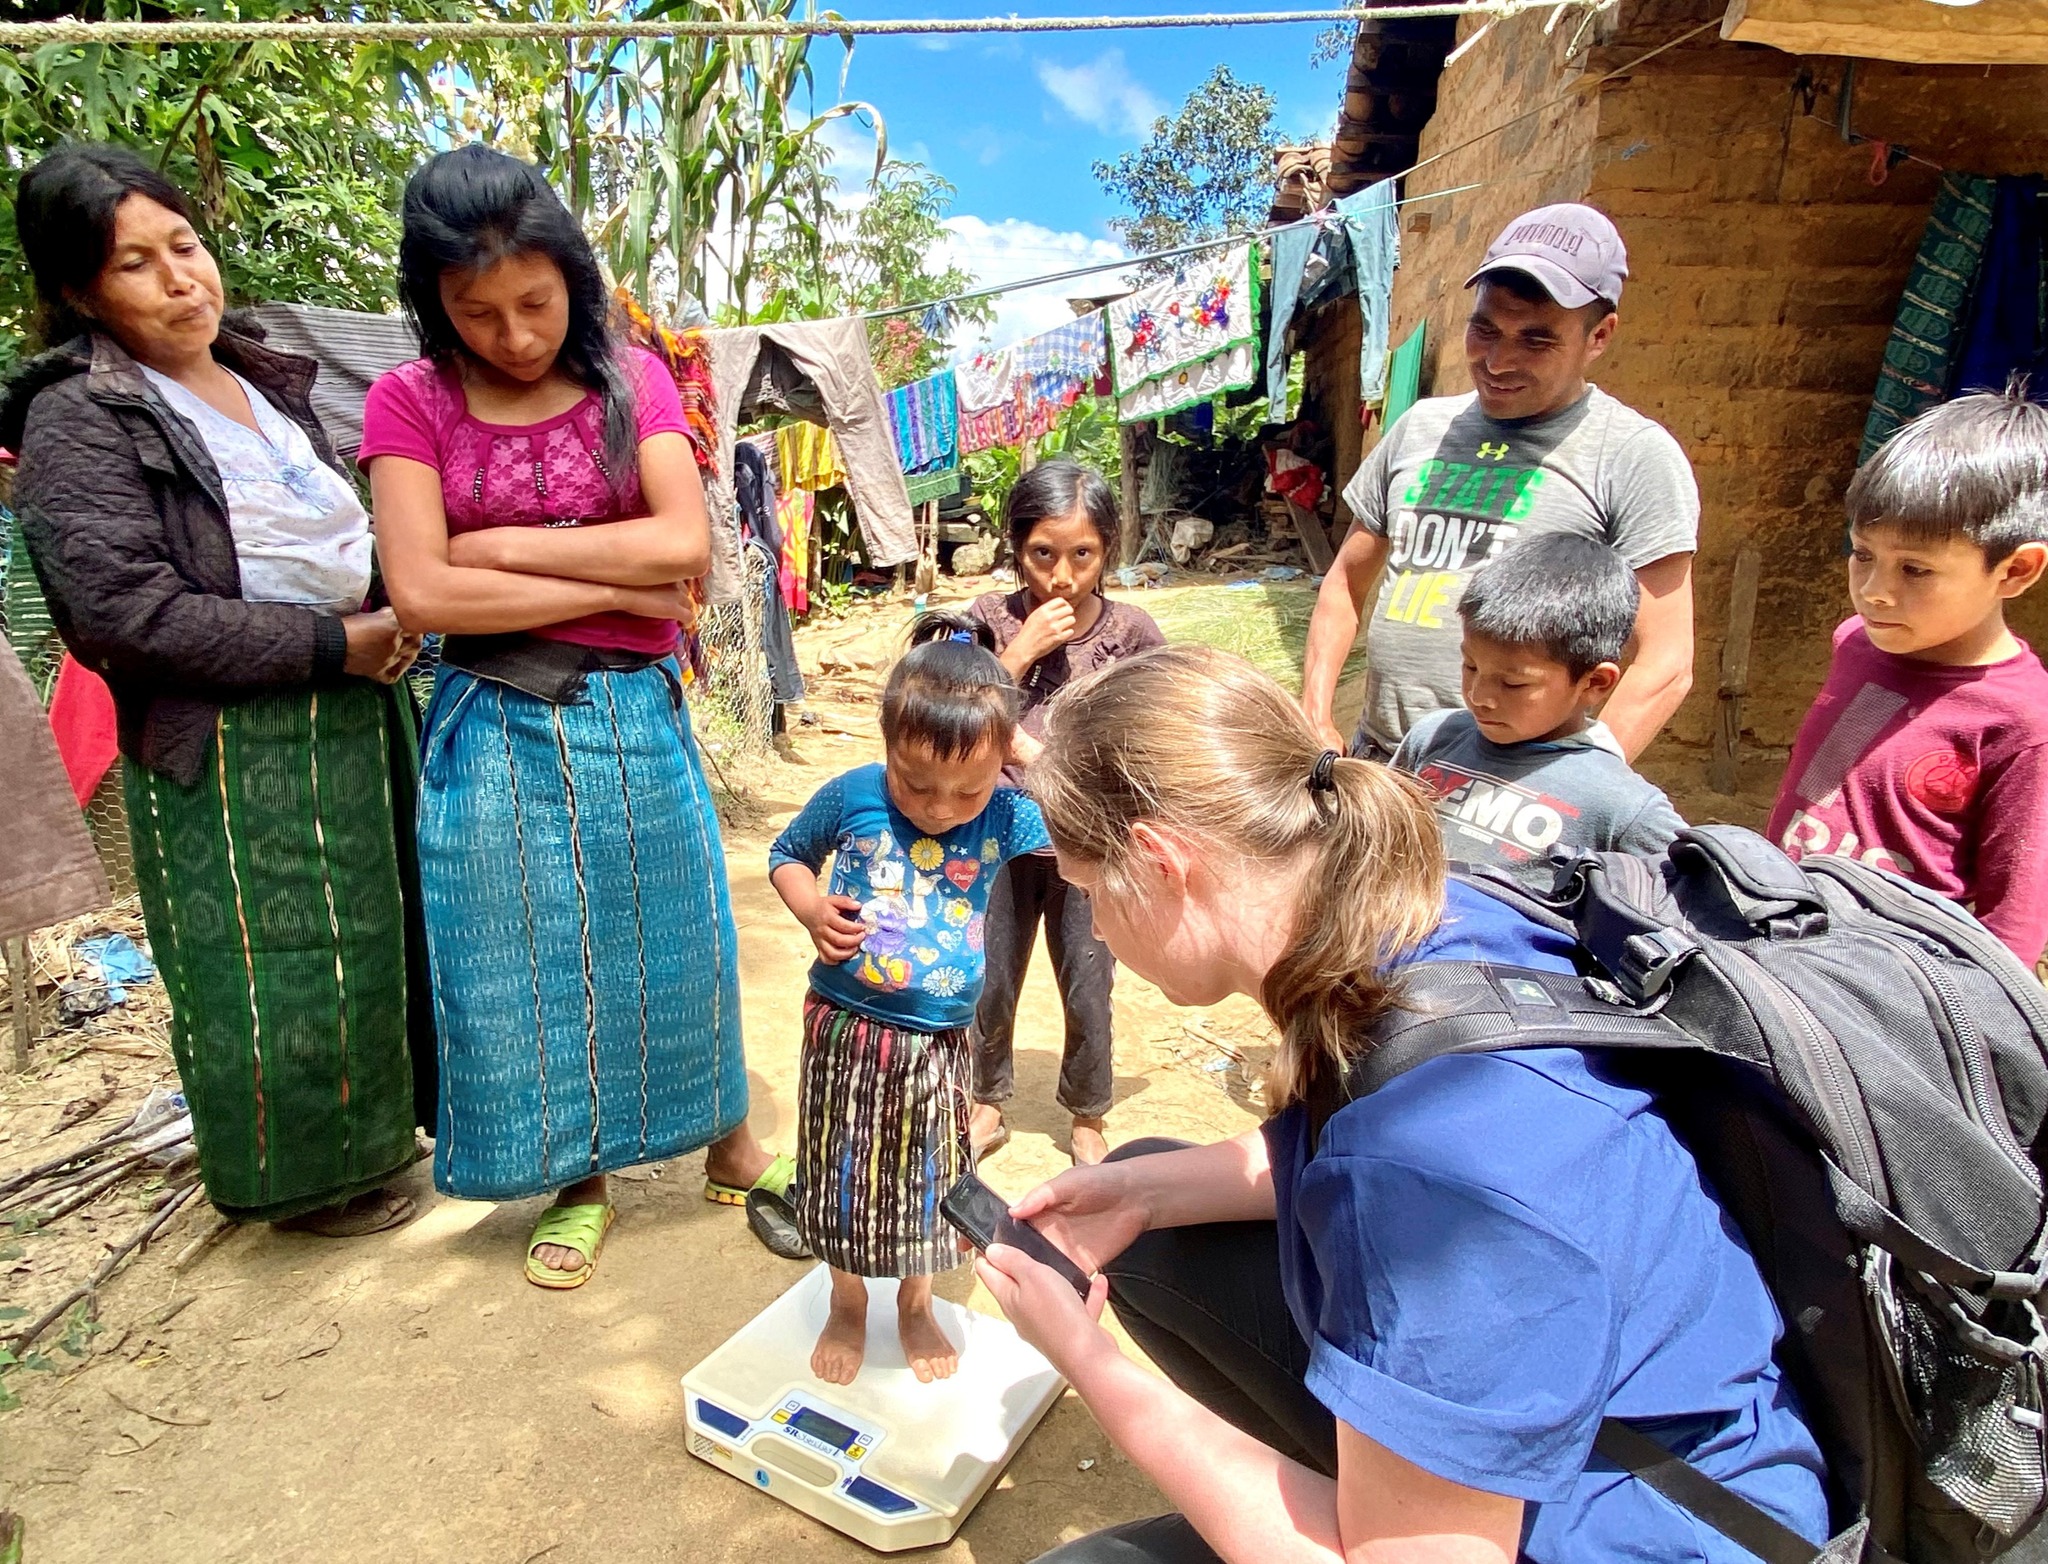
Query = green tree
x=679 y=156
x=1205 y=172
x=878 y=250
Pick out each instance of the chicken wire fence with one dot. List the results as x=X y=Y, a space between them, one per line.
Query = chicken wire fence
x=733 y=699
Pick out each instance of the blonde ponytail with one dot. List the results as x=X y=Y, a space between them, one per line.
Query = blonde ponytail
x=1202 y=742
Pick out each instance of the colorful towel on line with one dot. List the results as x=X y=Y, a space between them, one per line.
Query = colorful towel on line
x=987 y=389
x=1186 y=338
x=1018 y=393
x=924 y=420
x=1065 y=361
x=807 y=457
x=927 y=486
x=1927 y=331
x=688 y=357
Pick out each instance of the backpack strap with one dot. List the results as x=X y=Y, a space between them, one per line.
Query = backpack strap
x=1686 y=1486
x=1466 y=1007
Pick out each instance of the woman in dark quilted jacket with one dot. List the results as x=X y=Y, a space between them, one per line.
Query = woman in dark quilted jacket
x=202 y=551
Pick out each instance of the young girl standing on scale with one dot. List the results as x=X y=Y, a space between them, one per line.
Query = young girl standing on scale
x=1050 y=632
x=882 y=1096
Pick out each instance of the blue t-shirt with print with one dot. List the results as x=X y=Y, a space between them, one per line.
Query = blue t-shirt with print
x=923 y=898
x=1494 y=1251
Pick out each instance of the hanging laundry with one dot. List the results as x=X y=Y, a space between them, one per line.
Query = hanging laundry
x=831 y=361
x=688 y=357
x=2009 y=311
x=49 y=871
x=793 y=512
x=82 y=720
x=1292 y=247
x=353 y=350
x=1927 y=331
x=924 y=419
x=989 y=411
x=807 y=457
x=1188 y=338
x=1373 y=222
x=1056 y=367
x=1404 y=375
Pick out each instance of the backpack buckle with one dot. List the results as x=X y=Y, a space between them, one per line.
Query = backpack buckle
x=1649 y=959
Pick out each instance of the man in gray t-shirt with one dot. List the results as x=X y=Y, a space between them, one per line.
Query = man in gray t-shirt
x=1533 y=449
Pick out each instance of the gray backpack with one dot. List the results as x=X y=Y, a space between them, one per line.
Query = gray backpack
x=1861 y=1070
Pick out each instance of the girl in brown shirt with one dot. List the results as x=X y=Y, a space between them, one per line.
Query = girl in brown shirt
x=1056 y=628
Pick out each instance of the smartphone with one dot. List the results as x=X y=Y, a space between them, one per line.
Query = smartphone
x=984 y=1216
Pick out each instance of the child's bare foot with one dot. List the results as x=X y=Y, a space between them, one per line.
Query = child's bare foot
x=926 y=1347
x=1087 y=1144
x=844 y=1340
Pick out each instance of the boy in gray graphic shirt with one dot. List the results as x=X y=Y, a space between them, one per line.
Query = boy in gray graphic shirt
x=1526 y=766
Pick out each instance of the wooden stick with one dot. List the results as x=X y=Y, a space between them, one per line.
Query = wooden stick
x=1724 y=770
x=29 y=1176
x=172 y=1204
x=1132 y=524
x=21 y=975
x=1315 y=540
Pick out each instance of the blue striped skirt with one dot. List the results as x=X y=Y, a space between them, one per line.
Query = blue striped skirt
x=579 y=931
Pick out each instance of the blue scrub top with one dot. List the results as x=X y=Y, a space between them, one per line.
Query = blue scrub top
x=1494 y=1251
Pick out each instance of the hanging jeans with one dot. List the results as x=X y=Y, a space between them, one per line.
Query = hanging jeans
x=1204 y=1303
x=1028 y=889
x=778 y=645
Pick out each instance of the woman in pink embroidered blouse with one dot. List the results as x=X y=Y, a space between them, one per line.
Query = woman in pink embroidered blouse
x=537 y=503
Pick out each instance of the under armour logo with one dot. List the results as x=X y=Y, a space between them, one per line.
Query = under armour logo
x=1492 y=452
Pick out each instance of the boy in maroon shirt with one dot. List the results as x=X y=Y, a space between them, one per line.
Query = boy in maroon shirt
x=1926 y=752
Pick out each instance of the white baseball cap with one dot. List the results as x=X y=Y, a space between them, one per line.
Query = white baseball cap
x=1574 y=253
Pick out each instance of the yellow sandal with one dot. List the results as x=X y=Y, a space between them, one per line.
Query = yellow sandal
x=581 y=1228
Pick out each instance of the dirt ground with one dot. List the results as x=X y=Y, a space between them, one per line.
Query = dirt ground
x=408 y=1397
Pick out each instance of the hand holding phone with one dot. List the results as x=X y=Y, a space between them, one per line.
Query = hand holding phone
x=984 y=1216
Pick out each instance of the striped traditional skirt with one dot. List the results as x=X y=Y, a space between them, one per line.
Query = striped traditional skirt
x=270 y=889
x=882 y=1126
x=579 y=930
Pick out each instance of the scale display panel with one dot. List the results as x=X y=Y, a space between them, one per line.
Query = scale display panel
x=890 y=1462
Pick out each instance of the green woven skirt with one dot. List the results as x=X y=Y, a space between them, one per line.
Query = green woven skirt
x=271 y=891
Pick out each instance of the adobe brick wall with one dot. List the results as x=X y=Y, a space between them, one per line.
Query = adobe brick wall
x=1765 y=270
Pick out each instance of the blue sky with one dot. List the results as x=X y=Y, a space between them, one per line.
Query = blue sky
x=1016 y=122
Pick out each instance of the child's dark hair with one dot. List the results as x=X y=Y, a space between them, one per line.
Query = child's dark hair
x=468 y=209
x=1977 y=465
x=949 y=692
x=1573 y=597
x=1054 y=490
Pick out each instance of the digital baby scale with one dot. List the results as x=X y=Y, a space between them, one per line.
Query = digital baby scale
x=890 y=1462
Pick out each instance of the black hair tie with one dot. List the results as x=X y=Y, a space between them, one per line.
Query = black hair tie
x=1322 y=776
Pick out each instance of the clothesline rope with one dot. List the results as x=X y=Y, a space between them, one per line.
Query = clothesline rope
x=1261 y=233
x=32 y=35
x=1129 y=261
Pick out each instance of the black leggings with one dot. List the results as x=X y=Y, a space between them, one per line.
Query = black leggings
x=1205 y=1304
x=1027 y=890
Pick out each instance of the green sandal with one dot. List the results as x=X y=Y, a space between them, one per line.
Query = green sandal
x=780 y=1175
x=581 y=1228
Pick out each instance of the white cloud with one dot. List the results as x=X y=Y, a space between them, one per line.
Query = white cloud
x=1102 y=93
x=1010 y=248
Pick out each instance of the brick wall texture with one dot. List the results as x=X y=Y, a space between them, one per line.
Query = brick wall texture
x=1765 y=267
